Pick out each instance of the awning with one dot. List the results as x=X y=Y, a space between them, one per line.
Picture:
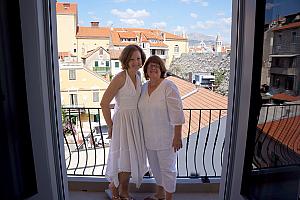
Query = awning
x=283 y=56
x=208 y=77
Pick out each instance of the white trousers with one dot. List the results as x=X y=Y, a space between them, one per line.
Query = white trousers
x=163 y=167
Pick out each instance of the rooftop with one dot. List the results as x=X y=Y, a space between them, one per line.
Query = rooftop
x=286 y=131
x=66 y=8
x=203 y=99
x=285 y=97
x=288 y=26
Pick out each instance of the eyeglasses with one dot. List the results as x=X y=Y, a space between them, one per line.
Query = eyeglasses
x=154 y=65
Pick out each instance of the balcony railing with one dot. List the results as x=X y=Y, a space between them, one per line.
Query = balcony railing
x=277 y=141
x=87 y=146
x=101 y=69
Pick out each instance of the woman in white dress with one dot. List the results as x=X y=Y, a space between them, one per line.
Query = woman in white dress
x=127 y=154
x=162 y=117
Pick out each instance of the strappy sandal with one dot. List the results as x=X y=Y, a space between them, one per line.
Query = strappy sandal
x=110 y=195
x=116 y=198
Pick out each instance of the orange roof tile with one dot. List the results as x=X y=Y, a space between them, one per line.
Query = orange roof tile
x=170 y=36
x=64 y=54
x=143 y=38
x=286 y=131
x=88 y=32
x=66 y=8
x=116 y=41
x=199 y=98
x=127 y=34
x=117 y=33
x=285 y=97
x=158 y=44
x=115 y=37
x=152 y=35
x=288 y=26
x=115 y=54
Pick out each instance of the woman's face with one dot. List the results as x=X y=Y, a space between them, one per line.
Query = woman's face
x=153 y=71
x=135 y=61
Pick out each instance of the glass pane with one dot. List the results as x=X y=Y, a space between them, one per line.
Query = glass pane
x=277 y=141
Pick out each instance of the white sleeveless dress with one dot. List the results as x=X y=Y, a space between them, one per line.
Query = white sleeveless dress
x=127 y=152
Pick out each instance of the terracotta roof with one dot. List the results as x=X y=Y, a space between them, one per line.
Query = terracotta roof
x=158 y=44
x=199 y=98
x=91 y=52
x=115 y=54
x=118 y=33
x=152 y=34
x=285 y=97
x=170 y=36
x=91 y=32
x=116 y=41
x=143 y=38
x=66 y=8
x=127 y=34
x=286 y=131
x=64 y=54
x=288 y=26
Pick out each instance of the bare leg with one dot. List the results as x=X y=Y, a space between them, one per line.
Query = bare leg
x=169 y=196
x=160 y=192
x=114 y=190
x=124 y=183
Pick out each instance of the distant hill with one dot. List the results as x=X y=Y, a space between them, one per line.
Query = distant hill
x=195 y=39
x=219 y=64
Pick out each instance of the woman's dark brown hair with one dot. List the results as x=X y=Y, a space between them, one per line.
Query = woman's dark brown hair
x=157 y=60
x=127 y=53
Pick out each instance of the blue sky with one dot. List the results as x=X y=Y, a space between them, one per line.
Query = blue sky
x=279 y=8
x=208 y=17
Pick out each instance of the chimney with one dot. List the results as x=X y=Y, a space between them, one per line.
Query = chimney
x=190 y=77
x=66 y=6
x=95 y=24
x=163 y=36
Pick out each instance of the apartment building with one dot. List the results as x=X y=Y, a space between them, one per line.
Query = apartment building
x=98 y=60
x=82 y=40
x=285 y=57
x=67 y=21
x=81 y=88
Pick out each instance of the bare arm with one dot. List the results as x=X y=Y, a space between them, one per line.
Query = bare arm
x=177 y=141
x=108 y=96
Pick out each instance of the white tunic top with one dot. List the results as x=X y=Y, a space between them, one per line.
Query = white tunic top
x=160 y=112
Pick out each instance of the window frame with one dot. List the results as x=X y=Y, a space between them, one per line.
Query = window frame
x=96 y=98
x=72 y=74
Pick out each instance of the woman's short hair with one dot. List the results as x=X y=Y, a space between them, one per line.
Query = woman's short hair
x=127 y=53
x=157 y=60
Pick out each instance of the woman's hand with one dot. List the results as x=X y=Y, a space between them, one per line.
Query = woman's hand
x=110 y=132
x=177 y=143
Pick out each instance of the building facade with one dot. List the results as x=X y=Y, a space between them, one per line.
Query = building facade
x=80 y=40
x=81 y=88
x=285 y=57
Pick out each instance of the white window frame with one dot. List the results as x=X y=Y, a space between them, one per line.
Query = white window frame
x=72 y=74
x=176 y=48
x=38 y=21
x=96 y=96
x=242 y=45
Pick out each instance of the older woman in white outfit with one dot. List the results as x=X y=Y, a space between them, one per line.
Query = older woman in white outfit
x=160 y=108
x=127 y=154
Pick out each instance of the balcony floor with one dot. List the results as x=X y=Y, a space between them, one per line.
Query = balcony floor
x=77 y=195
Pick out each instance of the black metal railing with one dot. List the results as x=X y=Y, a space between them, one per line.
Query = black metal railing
x=277 y=141
x=86 y=143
